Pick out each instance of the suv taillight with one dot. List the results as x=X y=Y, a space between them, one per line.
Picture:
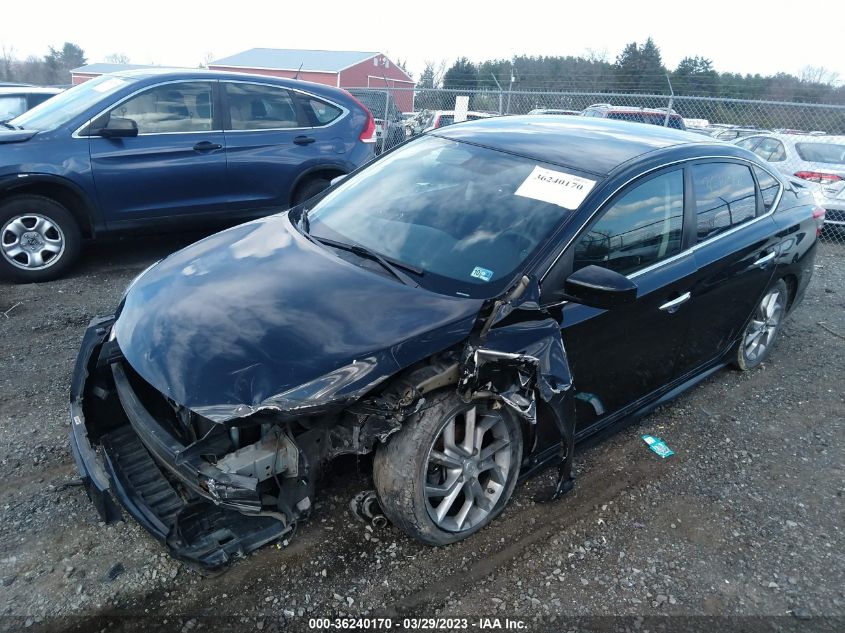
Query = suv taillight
x=818 y=216
x=368 y=134
x=818 y=176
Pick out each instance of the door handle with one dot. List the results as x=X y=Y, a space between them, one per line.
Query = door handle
x=207 y=146
x=304 y=140
x=764 y=260
x=674 y=304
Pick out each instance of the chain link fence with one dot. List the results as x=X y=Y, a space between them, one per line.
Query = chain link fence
x=803 y=141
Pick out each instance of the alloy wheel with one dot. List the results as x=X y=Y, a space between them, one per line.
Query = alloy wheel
x=764 y=324
x=467 y=468
x=32 y=241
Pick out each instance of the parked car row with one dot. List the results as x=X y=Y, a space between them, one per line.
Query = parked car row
x=818 y=162
x=148 y=149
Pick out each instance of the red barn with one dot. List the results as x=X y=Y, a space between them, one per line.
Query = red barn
x=344 y=69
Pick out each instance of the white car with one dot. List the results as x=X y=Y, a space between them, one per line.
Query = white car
x=442 y=118
x=818 y=162
x=15 y=100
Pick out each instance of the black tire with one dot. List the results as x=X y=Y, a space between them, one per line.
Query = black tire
x=401 y=471
x=309 y=189
x=749 y=355
x=21 y=209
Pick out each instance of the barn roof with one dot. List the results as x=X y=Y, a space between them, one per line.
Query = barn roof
x=293 y=58
x=104 y=68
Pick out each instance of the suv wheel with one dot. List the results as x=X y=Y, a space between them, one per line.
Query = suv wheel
x=449 y=470
x=309 y=189
x=39 y=239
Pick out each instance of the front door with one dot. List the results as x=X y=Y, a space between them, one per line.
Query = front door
x=619 y=356
x=176 y=166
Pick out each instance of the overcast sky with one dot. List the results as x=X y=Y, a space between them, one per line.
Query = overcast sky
x=746 y=37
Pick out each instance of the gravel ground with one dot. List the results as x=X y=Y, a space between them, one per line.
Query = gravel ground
x=746 y=519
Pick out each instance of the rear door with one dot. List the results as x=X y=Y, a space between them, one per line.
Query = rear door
x=735 y=254
x=272 y=135
x=620 y=356
x=176 y=166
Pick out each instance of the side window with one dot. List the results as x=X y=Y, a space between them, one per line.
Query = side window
x=749 y=143
x=261 y=107
x=639 y=229
x=724 y=197
x=771 y=149
x=178 y=107
x=324 y=113
x=769 y=187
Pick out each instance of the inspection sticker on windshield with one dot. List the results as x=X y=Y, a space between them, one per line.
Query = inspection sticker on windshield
x=555 y=187
x=481 y=273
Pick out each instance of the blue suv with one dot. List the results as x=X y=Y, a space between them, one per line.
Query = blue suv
x=147 y=149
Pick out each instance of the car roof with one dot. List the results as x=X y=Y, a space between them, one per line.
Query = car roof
x=586 y=144
x=613 y=108
x=37 y=90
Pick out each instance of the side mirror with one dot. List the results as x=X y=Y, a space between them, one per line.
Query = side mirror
x=117 y=127
x=337 y=179
x=599 y=288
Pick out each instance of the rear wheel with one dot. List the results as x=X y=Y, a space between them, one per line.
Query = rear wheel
x=39 y=239
x=450 y=470
x=759 y=335
x=309 y=189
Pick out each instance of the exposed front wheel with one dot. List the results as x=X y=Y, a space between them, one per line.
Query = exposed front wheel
x=450 y=470
x=39 y=239
x=760 y=333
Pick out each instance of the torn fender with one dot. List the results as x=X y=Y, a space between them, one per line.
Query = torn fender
x=515 y=362
x=517 y=355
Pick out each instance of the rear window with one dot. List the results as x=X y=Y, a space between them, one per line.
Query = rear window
x=11 y=106
x=831 y=153
x=323 y=113
x=769 y=187
x=725 y=197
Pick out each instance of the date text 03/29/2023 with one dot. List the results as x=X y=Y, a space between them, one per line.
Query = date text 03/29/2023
x=416 y=624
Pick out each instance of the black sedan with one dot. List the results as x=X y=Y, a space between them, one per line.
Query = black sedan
x=467 y=307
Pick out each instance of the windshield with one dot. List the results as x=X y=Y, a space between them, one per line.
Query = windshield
x=69 y=104
x=467 y=216
x=832 y=153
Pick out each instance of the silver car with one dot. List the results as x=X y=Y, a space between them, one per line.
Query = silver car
x=818 y=162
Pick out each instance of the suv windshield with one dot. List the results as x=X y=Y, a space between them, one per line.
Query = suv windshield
x=69 y=104
x=450 y=209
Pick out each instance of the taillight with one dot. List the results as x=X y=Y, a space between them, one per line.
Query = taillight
x=368 y=134
x=818 y=176
x=818 y=216
x=437 y=122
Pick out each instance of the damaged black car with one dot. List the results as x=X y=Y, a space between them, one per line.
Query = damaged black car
x=467 y=307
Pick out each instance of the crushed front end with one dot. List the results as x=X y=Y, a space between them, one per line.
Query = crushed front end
x=212 y=492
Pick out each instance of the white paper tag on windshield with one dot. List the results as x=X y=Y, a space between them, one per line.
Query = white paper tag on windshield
x=555 y=187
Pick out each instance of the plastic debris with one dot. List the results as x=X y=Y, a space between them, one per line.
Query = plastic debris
x=658 y=446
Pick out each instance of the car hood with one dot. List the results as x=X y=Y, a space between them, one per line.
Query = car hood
x=259 y=317
x=16 y=136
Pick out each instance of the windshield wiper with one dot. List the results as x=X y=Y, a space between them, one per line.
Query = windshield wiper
x=9 y=125
x=362 y=251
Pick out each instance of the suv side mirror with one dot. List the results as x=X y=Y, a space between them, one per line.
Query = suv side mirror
x=116 y=127
x=599 y=288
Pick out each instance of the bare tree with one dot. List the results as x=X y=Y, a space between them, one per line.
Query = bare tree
x=117 y=58
x=206 y=59
x=7 y=62
x=818 y=75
